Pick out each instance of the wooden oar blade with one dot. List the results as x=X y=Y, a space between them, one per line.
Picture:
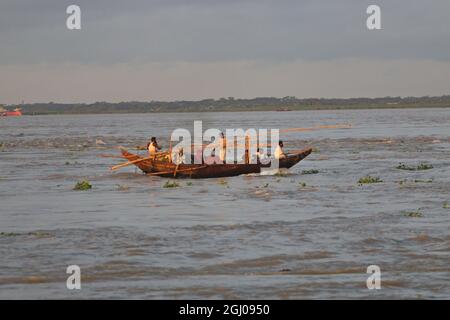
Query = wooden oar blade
x=128 y=163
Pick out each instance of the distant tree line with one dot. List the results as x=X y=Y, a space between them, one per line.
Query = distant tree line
x=233 y=104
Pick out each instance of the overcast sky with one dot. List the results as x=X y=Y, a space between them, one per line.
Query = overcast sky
x=194 y=49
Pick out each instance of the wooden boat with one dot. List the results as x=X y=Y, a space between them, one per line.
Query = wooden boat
x=197 y=171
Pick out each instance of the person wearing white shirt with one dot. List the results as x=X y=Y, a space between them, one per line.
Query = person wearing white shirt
x=223 y=147
x=179 y=157
x=279 y=153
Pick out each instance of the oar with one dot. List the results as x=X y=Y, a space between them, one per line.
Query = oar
x=175 y=171
x=130 y=163
x=153 y=157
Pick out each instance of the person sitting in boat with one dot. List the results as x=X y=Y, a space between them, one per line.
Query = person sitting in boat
x=153 y=147
x=223 y=147
x=279 y=153
x=259 y=155
x=179 y=157
x=213 y=159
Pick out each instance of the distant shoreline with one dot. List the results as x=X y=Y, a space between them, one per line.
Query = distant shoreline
x=243 y=110
x=236 y=105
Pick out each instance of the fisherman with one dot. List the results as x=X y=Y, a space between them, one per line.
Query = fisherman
x=279 y=153
x=179 y=157
x=223 y=147
x=213 y=159
x=259 y=155
x=153 y=147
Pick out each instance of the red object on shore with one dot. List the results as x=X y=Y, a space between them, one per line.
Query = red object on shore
x=15 y=113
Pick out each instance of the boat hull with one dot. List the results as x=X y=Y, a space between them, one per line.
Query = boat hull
x=202 y=171
x=11 y=114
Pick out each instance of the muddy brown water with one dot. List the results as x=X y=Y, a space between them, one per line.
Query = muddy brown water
x=261 y=236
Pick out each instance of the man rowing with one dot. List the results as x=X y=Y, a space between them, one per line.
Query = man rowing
x=153 y=147
x=223 y=147
x=279 y=153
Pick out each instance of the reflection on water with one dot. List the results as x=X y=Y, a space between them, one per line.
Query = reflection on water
x=294 y=235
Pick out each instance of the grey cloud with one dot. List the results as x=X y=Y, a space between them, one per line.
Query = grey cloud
x=277 y=31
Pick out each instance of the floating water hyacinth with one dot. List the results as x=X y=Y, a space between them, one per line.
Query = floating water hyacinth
x=423 y=181
x=405 y=181
x=414 y=214
x=121 y=187
x=369 y=179
x=82 y=186
x=170 y=184
x=422 y=166
x=8 y=234
x=312 y=171
x=280 y=174
x=39 y=234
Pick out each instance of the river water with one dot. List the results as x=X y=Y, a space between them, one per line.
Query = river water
x=289 y=236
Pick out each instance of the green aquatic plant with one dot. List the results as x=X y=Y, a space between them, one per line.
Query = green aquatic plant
x=369 y=179
x=280 y=174
x=414 y=214
x=302 y=184
x=312 y=171
x=445 y=205
x=424 y=166
x=82 y=185
x=405 y=181
x=9 y=234
x=263 y=186
x=189 y=184
x=121 y=187
x=75 y=163
x=420 y=167
x=423 y=181
x=39 y=234
x=170 y=184
x=403 y=166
